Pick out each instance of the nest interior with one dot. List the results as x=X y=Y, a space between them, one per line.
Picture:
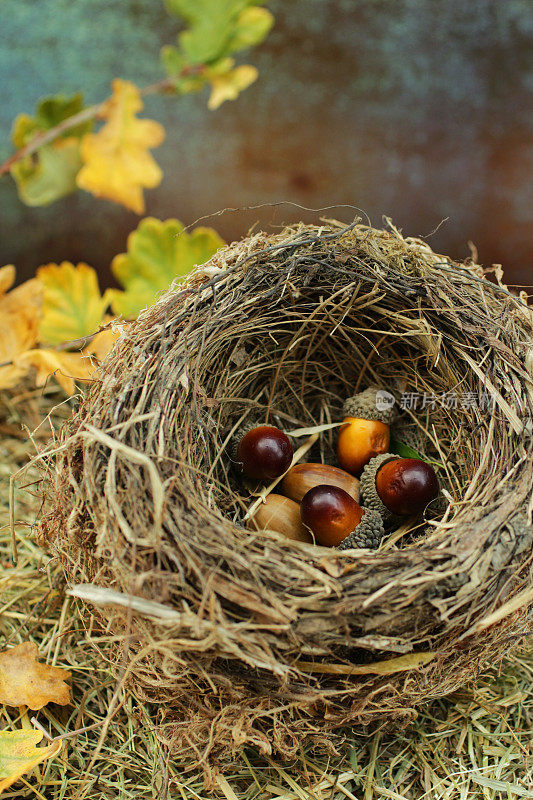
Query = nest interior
x=245 y=638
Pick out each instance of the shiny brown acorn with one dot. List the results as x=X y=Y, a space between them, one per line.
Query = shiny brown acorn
x=302 y=477
x=280 y=514
x=359 y=441
x=406 y=485
x=330 y=513
x=264 y=453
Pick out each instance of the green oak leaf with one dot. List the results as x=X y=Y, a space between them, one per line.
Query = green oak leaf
x=158 y=252
x=49 y=176
x=176 y=67
x=218 y=27
x=50 y=173
x=406 y=451
x=50 y=112
x=253 y=25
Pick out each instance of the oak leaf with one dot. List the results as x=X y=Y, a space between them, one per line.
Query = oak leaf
x=19 y=754
x=20 y=312
x=252 y=26
x=102 y=343
x=52 y=177
x=227 y=83
x=158 y=252
x=186 y=79
x=24 y=681
x=68 y=368
x=50 y=112
x=72 y=304
x=7 y=278
x=218 y=28
x=117 y=161
x=65 y=367
x=51 y=172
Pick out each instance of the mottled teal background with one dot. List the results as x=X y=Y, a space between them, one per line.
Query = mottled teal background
x=417 y=109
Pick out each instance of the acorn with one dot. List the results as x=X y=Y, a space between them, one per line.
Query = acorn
x=330 y=513
x=398 y=487
x=263 y=453
x=366 y=432
x=302 y=477
x=281 y=514
x=407 y=485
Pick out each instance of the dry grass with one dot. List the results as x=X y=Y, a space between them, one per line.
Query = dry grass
x=474 y=744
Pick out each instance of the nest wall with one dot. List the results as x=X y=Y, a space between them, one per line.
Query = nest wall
x=246 y=638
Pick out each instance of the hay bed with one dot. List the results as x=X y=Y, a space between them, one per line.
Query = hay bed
x=256 y=640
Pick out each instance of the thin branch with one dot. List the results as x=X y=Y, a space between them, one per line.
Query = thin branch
x=86 y=114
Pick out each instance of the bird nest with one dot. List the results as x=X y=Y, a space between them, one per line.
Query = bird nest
x=242 y=637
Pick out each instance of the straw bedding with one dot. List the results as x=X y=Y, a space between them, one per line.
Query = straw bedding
x=244 y=638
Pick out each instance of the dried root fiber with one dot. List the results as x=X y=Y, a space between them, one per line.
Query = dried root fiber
x=245 y=638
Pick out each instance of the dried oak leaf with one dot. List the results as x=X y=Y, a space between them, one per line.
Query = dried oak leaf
x=7 y=278
x=20 y=312
x=65 y=367
x=117 y=163
x=104 y=341
x=24 y=681
x=19 y=754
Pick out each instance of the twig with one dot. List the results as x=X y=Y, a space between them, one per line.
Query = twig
x=12 y=517
x=40 y=139
x=36 y=724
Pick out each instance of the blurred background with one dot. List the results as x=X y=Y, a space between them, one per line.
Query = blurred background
x=414 y=109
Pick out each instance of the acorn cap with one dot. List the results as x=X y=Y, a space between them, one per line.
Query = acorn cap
x=412 y=436
x=373 y=403
x=439 y=504
x=369 y=495
x=369 y=533
x=238 y=435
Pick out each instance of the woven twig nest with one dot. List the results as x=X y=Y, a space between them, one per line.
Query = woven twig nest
x=244 y=637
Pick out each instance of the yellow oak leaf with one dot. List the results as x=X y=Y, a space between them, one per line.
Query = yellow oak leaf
x=65 y=367
x=24 y=681
x=70 y=367
x=20 y=312
x=19 y=754
x=7 y=278
x=117 y=164
x=227 y=83
x=72 y=304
